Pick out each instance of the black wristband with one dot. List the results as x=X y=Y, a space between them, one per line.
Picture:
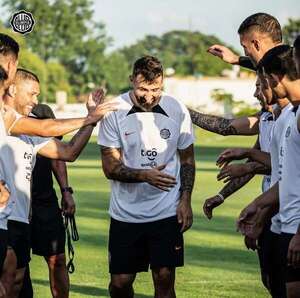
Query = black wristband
x=66 y=189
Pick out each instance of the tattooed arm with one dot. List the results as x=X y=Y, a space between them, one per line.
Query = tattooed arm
x=187 y=178
x=115 y=169
x=226 y=127
x=231 y=187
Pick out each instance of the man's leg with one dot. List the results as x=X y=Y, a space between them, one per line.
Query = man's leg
x=9 y=271
x=128 y=254
x=291 y=274
x=18 y=282
x=164 y=282
x=18 y=239
x=166 y=253
x=120 y=285
x=58 y=276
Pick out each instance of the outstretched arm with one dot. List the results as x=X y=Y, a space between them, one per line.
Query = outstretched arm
x=231 y=187
x=226 y=127
x=228 y=56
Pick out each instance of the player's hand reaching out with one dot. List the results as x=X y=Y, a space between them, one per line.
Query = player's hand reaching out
x=223 y=53
x=210 y=204
x=231 y=154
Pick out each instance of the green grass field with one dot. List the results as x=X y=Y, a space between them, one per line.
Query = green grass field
x=216 y=262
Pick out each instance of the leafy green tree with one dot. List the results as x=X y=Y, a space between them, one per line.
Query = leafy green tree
x=184 y=51
x=291 y=30
x=57 y=80
x=116 y=70
x=65 y=32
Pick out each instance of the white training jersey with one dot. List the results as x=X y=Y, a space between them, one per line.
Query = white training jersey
x=266 y=122
x=146 y=140
x=24 y=149
x=277 y=132
x=289 y=175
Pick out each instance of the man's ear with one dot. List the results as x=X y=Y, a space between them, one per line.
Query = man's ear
x=12 y=90
x=256 y=44
x=131 y=78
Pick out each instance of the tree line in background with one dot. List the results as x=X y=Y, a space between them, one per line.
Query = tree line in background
x=68 y=49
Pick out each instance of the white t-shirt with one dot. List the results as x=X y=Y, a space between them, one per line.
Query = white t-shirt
x=146 y=139
x=277 y=132
x=266 y=122
x=24 y=149
x=289 y=175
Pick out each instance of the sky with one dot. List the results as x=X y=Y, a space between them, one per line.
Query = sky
x=129 y=20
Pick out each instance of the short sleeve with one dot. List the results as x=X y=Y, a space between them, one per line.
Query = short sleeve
x=39 y=142
x=108 y=134
x=186 y=137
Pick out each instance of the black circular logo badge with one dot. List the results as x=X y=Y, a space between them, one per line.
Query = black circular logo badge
x=165 y=133
x=22 y=22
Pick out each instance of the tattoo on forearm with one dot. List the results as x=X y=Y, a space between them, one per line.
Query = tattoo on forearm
x=212 y=123
x=125 y=174
x=82 y=131
x=117 y=170
x=187 y=177
x=259 y=168
x=235 y=184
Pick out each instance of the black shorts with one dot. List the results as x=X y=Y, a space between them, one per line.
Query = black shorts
x=48 y=234
x=19 y=241
x=3 y=247
x=291 y=274
x=269 y=259
x=135 y=246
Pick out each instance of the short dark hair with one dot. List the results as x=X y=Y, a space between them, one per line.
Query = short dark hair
x=25 y=74
x=264 y=23
x=149 y=67
x=279 y=61
x=8 y=45
x=3 y=74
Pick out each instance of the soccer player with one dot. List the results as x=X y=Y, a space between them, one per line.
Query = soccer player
x=22 y=97
x=258 y=33
x=282 y=77
x=147 y=153
x=47 y=229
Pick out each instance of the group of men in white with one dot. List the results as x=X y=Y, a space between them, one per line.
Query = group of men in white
x=146 y=140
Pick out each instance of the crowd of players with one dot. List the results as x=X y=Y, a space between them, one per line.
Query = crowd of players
x=146 y=139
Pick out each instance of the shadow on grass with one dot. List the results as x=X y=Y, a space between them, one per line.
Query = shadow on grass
x=85 y=290
x=213 y=257
x=81 y=289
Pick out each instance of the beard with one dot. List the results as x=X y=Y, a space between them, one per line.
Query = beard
x=144 y=103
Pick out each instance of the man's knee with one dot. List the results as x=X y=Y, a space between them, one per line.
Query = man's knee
x=57 y=261
x=121 y=285
x=122 y=280
x=164 y=278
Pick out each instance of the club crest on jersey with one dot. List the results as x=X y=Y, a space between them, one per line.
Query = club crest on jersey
x=165 y=133
x=288 y=132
